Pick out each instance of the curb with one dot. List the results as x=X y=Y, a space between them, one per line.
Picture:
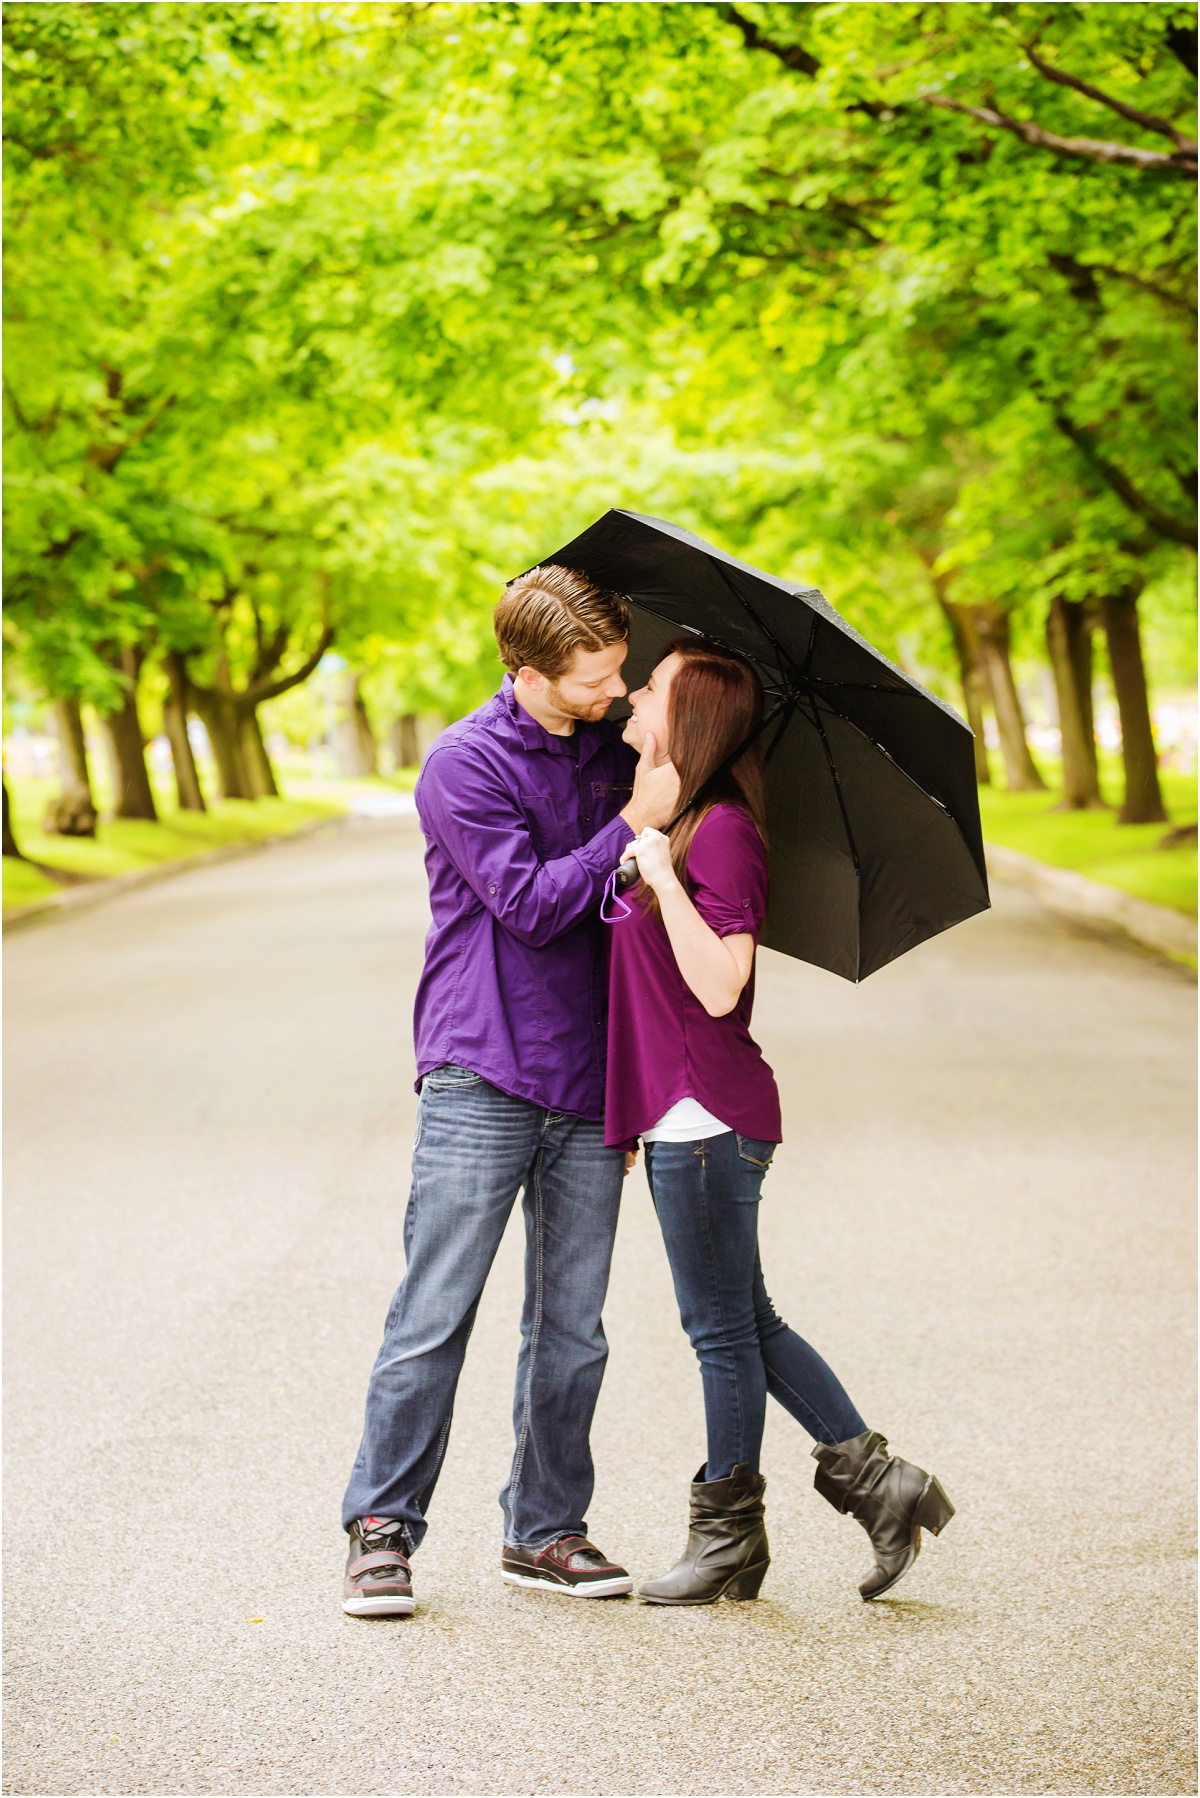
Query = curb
x=1075 y=896
x=79 y=898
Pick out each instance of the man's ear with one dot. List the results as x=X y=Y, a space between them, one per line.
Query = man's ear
x=532 y=678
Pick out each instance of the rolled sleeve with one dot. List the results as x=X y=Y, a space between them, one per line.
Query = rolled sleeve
x=727 y=873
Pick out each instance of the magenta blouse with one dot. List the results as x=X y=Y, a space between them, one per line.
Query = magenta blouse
x=662 y=1044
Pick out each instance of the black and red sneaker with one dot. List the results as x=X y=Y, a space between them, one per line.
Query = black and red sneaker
x=571 y=1565
x=378 y=1580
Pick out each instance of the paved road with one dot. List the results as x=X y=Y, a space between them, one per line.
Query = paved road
x=981 y=1215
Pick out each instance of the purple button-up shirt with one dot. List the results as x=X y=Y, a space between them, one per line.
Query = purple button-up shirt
x=521 y=834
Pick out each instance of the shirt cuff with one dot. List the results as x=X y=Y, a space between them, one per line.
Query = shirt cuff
x=603 y=852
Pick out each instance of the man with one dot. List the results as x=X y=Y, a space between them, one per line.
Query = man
x=526 y=806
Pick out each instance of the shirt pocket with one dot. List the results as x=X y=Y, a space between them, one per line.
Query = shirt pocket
x=608 y=798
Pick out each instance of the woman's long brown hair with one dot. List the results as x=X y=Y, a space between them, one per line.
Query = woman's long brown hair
x=715 y=702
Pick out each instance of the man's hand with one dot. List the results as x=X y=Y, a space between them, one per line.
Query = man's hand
x=655 y=792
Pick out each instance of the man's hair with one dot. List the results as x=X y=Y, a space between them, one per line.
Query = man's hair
x=549 y=613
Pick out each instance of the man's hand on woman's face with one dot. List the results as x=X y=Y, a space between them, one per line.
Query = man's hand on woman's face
x=655 y=791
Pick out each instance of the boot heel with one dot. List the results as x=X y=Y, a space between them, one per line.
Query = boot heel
x=934 y=1509
x=747 y=1583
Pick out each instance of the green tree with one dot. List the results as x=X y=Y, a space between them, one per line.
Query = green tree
x=326 y=319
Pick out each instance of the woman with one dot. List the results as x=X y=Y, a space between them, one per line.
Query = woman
x=685 y=1075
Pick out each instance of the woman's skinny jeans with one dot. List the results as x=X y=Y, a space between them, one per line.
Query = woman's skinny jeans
x=706 y=1195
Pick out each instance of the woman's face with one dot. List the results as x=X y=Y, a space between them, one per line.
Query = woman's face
x=649 y=714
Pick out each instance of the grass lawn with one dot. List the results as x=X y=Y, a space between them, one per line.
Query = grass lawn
x=1093 y=843
x=126 y=846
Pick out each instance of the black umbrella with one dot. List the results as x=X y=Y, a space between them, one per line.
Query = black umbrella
x=872 y=807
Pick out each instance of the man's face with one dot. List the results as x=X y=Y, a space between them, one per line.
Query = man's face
x=588 y=687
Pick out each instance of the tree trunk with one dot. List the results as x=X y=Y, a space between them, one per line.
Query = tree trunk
x=1143 y=799
x=368 y=747
x=110 y=756
x=175 y=716
x=1069 y=643
x=134 y=797
x=430 y=726
x=219 y=717
x=354 y=740
x=972 y=674
x=1020 y=772
x=73 y=812
x=10 y=841
x=260 y=776
x=404 y=741
x=72 y=746
x=1081 y=663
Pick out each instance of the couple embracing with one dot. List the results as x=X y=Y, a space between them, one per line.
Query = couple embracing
x=549 y=1042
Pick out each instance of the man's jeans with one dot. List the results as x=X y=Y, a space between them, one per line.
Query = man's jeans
x=476 y=1148
x=706 y=1195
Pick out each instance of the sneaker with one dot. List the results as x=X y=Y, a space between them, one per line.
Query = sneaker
x=571 y=1565
x=378 y=1581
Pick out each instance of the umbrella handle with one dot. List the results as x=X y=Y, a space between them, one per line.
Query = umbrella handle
x=627 y=873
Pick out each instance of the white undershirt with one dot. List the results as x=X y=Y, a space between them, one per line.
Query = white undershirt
x=686 y=1121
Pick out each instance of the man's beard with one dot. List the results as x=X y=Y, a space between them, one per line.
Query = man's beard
x=587 y=714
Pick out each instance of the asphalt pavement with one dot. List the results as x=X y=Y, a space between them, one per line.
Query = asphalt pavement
x=982 y=1215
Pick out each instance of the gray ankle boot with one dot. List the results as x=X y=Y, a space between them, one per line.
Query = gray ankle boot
x=726 y=1554
x=893 y=1500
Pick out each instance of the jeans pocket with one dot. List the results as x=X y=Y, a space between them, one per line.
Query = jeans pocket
x=758 y=1154
x=441 y=1079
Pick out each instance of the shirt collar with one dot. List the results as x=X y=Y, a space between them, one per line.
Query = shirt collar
x=535 y=736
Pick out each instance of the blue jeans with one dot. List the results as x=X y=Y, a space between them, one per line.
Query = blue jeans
x=476 y=1147
x=706 y=1195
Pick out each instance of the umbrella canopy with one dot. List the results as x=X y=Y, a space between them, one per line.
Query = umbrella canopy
x=872 y=805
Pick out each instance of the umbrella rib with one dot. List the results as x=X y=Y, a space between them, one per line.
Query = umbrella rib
x=884 y=750
x=812 y=644
x=786 y=706
x=837 y=787
x=786 y=663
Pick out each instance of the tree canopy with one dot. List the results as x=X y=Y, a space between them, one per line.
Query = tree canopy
x=323 y=320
